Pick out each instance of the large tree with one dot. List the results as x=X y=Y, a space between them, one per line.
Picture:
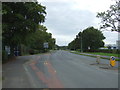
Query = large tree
x=36 y=39
x=71 y=45
x=19 y=19
x=76 y=43
x=111 y=18
x=92 y=39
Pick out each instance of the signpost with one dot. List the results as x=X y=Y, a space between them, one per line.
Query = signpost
x=112 y=61
x=45 y=45
x=7 y=49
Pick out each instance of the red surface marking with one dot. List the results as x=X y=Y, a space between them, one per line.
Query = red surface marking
x=42 y=77
x=54 y=81
x=51 y=82
x=34 y=67
x=33 y=63
x=50 y=68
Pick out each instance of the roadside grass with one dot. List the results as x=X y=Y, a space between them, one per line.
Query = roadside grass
x=76 y=52
x=104 y=54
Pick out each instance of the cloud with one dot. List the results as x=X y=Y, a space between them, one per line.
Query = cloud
x=69 y=21
x=65 y=18
x=111 y=37
x=92 y=5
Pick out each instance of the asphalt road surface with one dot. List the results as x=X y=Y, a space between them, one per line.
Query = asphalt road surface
x=62 y=69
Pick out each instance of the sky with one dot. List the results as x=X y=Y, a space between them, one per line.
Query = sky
x=66 y=18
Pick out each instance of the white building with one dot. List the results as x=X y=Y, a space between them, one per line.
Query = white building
x=114 y=46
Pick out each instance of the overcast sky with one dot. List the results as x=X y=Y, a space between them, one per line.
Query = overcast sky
x=65 y=18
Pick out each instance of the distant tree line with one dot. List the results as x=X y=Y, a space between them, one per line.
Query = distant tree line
x=21 y=25
x=62 y=47
x=90 y=39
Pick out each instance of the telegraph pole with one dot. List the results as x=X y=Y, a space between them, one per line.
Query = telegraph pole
x=81 y=43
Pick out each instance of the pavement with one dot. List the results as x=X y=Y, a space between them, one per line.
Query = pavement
x=59 y=69
x=14 y=73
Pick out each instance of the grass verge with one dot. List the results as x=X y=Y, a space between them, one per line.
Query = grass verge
x=104 y=54
x=75 y=52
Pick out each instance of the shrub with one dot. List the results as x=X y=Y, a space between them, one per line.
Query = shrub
x=36 y=51
x=31 y=51
x=4 y=56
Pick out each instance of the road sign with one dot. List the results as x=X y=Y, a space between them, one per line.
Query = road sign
x=45 y=45
x=89 y=48
x=112 y=61
x=7 y=49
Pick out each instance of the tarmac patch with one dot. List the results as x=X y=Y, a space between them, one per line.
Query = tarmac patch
x=99 y=64
x=105 y=66
x=109 y=68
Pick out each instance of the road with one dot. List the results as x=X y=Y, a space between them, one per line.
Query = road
x=62 y=69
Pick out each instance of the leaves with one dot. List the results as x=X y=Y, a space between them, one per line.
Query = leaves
x=36 y=40
x=110 y=18
x=90 y=37
x=20 y=19
x=21 y=25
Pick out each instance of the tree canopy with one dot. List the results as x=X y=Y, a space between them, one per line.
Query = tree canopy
x=111 y=18
x=36 y=40
x=90 y=38
x=22 y=25
x=19 y=19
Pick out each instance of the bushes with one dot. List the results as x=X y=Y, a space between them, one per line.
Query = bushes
x=4 y=56
x=78 y=50
x=33 y=51
x=36 y=51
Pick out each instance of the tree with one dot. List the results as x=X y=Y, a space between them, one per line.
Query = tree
x=76 y=43
x=71 y=45
x=111 y=18
x=92 y=39
x=36 y=40
x=20 y=19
